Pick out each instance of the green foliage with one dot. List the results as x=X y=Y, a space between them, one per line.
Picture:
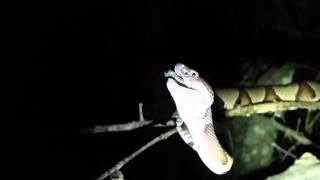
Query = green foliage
x=277 y=75
x=252 y=139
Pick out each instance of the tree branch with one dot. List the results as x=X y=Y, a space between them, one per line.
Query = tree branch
x=271 y=107
x=127 y=126
x=299 y=137
x=121 y=163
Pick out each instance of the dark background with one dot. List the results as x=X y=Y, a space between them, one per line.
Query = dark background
x=76 y=64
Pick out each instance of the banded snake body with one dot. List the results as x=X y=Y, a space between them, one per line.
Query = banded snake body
x=193 y=98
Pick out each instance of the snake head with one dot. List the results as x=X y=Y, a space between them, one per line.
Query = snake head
x=192 y=95
x=186 y=82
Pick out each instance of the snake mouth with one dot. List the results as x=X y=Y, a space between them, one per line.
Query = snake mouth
x=178 y=79
x=173 y=75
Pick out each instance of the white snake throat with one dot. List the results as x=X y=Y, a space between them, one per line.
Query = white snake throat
x=193 y=98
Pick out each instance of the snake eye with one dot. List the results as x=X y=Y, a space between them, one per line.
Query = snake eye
x=194 y=74
x=187 y=72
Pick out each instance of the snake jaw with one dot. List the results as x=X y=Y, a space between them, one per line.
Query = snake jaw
x=190 y=78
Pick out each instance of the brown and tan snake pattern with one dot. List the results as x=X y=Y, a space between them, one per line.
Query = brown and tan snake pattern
x=193 y=97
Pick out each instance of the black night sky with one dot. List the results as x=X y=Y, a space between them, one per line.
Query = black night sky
x=86 y=63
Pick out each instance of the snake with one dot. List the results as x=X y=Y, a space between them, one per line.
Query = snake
x=193 y=98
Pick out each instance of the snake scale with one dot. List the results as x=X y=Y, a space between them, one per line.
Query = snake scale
x=193 y=98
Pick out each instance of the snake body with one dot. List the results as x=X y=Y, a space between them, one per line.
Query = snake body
x=193 y=97
x=304 y=91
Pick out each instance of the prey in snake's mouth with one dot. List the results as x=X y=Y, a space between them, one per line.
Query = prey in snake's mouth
x=178 y=79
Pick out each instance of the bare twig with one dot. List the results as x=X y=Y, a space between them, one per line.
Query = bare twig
x=299 y=137
x=316 y=120
x=287 y=153
x=118 y=127
x=310 y=121
x=141 y=118
x=127 y=126
x=169 y=123
x=298 y=124
x=121 y=163
x=231 y=143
